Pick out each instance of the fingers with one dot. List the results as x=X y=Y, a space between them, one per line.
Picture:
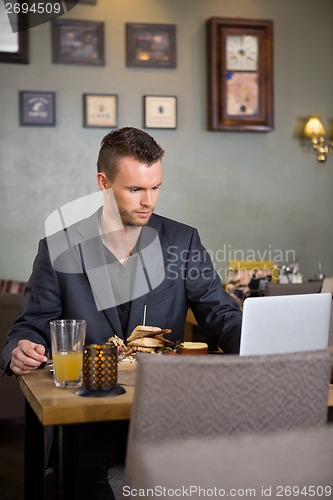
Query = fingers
x=40 y=349
x=27 y=356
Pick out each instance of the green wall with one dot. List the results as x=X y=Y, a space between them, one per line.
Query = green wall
x=253 y=193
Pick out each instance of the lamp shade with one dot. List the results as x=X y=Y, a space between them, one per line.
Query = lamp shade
x=313 y=128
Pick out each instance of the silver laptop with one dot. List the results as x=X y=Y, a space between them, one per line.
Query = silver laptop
x=286 y=323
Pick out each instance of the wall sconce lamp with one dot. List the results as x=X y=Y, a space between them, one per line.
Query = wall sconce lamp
x=314 y=130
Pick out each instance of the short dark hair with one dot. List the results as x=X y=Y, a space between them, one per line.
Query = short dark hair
x=126 y=142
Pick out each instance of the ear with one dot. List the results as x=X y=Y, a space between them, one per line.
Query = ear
x=102 y=181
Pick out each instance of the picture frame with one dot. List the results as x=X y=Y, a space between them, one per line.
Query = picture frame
x=160 y=112
x=37 y=108
x=78 y=42
x=14 y=47
x=150 y=45
x=100 y=110
x=240 y=75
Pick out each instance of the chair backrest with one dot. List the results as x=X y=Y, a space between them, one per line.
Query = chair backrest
x=330 y=333
x=293 y=288
x=189 y=324
x=12 y=286
x=188 y=396
x=328 y=287
x=260 y=465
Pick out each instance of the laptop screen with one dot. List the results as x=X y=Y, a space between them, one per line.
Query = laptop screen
x=287 y=323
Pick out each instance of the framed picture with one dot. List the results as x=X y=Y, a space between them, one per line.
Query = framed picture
x=37 y=108
x=151 y=45
x=14 y=47
x=100 y=110
x=160 y=111
x=240 y=75
x=78 y=42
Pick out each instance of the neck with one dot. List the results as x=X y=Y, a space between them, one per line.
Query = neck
x=119 y=239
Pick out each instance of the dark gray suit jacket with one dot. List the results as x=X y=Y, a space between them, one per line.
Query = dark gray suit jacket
x=62 y=289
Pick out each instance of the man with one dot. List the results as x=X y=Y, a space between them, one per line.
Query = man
x=111 y=271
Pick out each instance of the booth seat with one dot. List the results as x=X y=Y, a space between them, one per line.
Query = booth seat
x=12 y=400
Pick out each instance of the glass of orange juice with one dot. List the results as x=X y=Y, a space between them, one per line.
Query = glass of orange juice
x=67 y=341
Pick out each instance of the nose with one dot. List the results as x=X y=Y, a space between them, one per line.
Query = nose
x=146 y=198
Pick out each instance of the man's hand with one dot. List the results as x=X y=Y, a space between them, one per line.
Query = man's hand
x=27 y=356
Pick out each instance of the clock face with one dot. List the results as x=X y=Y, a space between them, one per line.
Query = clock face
x=242 y=52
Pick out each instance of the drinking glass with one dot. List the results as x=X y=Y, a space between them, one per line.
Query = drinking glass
x=67 y=341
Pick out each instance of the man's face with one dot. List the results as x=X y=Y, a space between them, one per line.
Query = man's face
x=136 y=190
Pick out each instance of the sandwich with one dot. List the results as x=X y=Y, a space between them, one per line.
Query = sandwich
x=148 y=339
x=143 y=339
x=145 y=344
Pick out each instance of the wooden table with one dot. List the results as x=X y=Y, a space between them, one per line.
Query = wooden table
x=47 y=406
x=57 y=406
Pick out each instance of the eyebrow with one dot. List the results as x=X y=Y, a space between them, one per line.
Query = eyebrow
x=141 y=187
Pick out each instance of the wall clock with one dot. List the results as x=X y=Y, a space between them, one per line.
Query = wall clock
x=240 y=74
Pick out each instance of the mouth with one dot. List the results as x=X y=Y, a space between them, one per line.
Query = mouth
x=144 y=213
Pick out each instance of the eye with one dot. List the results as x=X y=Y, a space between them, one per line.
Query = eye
x=135 y=190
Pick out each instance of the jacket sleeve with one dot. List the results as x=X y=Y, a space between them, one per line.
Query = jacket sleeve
x=41 y=303
x=218 y=315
